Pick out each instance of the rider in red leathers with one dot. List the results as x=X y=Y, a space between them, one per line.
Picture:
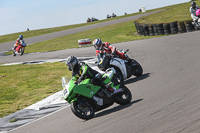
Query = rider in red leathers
x=107 y=47
x=19 y=41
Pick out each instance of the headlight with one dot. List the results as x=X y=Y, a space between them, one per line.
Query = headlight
x=65 y=91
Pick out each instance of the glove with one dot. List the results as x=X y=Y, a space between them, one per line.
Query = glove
x=113 y=54
x=79 y=80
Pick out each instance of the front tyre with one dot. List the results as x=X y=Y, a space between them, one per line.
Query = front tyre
x=14 y=53
x=137 y=68
x=119 y=77
x=123 y=97
x=22 y=51
x=83 y=110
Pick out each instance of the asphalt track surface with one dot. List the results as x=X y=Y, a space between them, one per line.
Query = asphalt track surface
x=8 y=45
x=165 y=98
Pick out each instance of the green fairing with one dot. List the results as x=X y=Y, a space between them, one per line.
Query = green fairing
x=85 y=88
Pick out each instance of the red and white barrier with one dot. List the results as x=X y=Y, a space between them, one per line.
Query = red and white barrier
x=83 y=42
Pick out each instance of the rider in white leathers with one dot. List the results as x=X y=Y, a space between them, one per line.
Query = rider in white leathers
x=193 y=9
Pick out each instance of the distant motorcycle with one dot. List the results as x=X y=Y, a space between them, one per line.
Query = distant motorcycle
x=124 y=69
x=86 y=98
x=19 y=49
x=197 y=23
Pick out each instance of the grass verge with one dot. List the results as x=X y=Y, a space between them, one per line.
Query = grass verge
x=116 y=33
x=179 y=12
x=23 y=85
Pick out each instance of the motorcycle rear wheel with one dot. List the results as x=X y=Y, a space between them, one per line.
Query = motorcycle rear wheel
x=82 y=110
x=124 y=97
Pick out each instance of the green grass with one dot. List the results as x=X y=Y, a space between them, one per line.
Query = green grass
x=173 y=13
x=31 y=33
x=13 y=120
x=116 y=33
x=23 y=85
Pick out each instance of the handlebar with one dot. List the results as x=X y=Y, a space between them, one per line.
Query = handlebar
x=126 y=51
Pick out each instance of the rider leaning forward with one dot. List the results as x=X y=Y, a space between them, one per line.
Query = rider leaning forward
x=19 y=41
x=193 y=10
x=83 y=71
x=109 y=49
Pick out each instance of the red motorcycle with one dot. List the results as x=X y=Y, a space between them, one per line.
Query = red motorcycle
x=19 y=50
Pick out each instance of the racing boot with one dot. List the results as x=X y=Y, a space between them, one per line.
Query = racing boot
x=116 y=91
x=111 y=89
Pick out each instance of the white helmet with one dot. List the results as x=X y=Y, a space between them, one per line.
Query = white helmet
x=97 y=43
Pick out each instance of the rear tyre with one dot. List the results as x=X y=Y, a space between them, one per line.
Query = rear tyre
x=83 y=110
x=123 y=97
x=138 y=71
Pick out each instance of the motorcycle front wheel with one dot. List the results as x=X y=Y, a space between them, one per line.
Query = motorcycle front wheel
x=123 y=97
x=119 y=77
x=14 y=53
x=138 y=71
x=82 y=110
x=22 y=51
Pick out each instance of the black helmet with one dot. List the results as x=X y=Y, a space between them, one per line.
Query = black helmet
x=71 y=62
x=193 y=4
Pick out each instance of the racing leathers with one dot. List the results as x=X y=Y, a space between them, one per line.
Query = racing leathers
x=83 y=71
x=18 y=42
x=109 y=49
x=193 y=13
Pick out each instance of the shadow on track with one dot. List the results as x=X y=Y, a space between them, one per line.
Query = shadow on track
x=135 y=79
x=117 y=108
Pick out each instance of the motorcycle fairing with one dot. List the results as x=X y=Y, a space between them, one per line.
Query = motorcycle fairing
x=86 y=89
x=120 y=64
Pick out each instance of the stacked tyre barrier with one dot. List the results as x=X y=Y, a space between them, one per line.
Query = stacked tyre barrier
x=165 y=28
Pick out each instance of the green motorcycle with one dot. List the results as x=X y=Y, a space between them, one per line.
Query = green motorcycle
x=86 y=98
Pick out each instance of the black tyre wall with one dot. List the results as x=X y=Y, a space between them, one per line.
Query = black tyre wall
x=155 y=29
x=181 y=27
x=151 y=31
x=146 y=30
x=137 y=28
x=166 y=28
x=160 y=29
x=189 y=26
x=174 y=27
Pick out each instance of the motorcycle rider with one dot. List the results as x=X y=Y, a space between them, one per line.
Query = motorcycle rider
x=82 y=71
x=192 y=10
x=19 y=41
x=109 y=49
